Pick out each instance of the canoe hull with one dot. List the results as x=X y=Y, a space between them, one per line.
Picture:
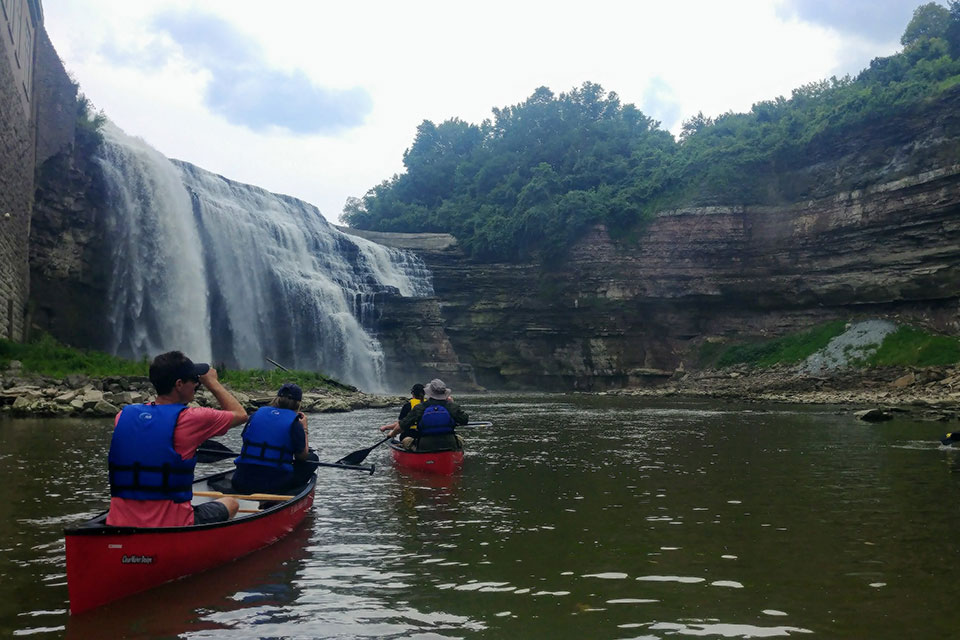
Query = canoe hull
x=108 y=563
x=438 y=462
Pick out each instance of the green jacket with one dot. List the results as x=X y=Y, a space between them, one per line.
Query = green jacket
x=411 y=419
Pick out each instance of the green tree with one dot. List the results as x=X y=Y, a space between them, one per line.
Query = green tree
x=929 y=20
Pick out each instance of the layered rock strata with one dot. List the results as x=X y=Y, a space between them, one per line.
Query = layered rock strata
x=622 y=313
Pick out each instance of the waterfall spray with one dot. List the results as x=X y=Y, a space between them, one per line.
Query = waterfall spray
x=232 y=273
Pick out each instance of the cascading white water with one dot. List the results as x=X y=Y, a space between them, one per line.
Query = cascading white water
x=229 y=272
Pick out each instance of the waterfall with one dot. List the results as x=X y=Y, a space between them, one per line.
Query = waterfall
x=229 y=272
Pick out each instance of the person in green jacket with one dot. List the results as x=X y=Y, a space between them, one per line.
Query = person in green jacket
x=436 y=419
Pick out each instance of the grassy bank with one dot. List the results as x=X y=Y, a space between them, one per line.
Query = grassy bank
x=45 y=356
x=906 y=347
x=790 y=349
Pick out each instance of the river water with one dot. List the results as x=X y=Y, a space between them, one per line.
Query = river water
x=574 y=517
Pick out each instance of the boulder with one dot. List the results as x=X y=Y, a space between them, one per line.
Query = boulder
x=874 y=415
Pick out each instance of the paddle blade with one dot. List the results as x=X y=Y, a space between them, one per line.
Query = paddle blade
x=360 y=455
x=356 y=457
x=213 y=451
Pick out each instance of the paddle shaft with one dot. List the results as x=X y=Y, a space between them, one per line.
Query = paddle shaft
x=277 y=364
x=224 y=453
x=268 y=497
x=359 y=455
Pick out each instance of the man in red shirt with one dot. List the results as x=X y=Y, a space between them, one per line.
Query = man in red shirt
x=154 y=446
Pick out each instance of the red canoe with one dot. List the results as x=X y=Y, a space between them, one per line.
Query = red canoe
x=440 y=462
x=108 y=563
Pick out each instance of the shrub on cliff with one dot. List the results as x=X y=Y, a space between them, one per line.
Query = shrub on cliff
x=89 y=124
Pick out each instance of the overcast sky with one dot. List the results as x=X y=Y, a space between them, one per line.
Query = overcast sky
x=319 y=99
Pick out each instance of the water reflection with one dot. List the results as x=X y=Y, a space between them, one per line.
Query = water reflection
x=573 y=517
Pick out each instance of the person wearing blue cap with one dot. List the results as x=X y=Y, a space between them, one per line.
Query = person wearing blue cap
x=276 y=455
x=154 y=447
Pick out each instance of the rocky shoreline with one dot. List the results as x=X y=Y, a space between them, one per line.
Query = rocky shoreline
x=82 y=396
x=926 y=393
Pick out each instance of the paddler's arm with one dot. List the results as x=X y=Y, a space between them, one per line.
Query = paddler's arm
x=224 y=397
x=393 y=427
x=303 y=455
x=458 y=414
x=413 y=417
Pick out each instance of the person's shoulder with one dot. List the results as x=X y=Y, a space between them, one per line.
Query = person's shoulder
x=195 y=413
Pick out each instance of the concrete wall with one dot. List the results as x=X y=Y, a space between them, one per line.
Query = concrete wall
x=55 y=101
x=17 y=159
x=37 y=115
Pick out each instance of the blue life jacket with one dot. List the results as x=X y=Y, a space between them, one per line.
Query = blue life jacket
x=143 y=464
x=436 y=420
x=267 y=440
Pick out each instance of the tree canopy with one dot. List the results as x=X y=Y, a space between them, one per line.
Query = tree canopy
x=527 y=182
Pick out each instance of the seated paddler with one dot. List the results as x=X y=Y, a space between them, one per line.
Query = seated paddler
x=431 y=424
x=276 y=455
x=154 y=446
x=416 y=397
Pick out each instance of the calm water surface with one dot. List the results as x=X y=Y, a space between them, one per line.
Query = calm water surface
x=574 y=517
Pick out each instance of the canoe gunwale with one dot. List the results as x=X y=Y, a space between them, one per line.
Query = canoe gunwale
x=97 y=526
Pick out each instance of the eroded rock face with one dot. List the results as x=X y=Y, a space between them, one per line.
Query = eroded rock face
x=69 y=255
x=622 y=313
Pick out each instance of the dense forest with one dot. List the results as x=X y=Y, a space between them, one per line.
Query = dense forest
x=524 y=184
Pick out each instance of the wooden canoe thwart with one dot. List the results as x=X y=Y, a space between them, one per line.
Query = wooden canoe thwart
x=107 y=563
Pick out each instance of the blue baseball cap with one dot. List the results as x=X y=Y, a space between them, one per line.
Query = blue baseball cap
x=290 y=390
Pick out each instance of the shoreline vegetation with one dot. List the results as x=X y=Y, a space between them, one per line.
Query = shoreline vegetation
x=874 y=367
x=43 y=378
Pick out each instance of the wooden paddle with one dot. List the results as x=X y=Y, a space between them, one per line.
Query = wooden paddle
x=266 y=497
x=359 y=455
x=213 y=451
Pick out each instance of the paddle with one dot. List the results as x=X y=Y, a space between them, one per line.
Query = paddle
x=277 y=364
x=213 y=451
x=359 y=455
x=950 y=438
x=265 y=497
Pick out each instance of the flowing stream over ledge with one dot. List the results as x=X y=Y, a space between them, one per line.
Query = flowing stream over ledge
x=229 y=272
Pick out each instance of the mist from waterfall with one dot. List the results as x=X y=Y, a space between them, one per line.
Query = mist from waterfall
x=229 y=272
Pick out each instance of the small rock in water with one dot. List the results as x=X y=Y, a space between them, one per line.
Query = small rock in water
x=874 y=415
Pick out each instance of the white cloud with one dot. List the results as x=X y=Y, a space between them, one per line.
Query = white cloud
x=425 y=60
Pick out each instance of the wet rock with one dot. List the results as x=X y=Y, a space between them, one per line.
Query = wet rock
x=76 y=380
x=104 y=408
x=874 y=415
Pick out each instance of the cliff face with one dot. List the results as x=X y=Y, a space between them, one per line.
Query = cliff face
x=622 y=312
x=69 y=264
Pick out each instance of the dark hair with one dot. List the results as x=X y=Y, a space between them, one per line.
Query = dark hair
x=417 y=391
x=165 y=370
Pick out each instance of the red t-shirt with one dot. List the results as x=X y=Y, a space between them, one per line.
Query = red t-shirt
x=194 y=426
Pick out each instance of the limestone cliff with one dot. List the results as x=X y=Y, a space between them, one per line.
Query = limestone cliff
x=622 y=312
